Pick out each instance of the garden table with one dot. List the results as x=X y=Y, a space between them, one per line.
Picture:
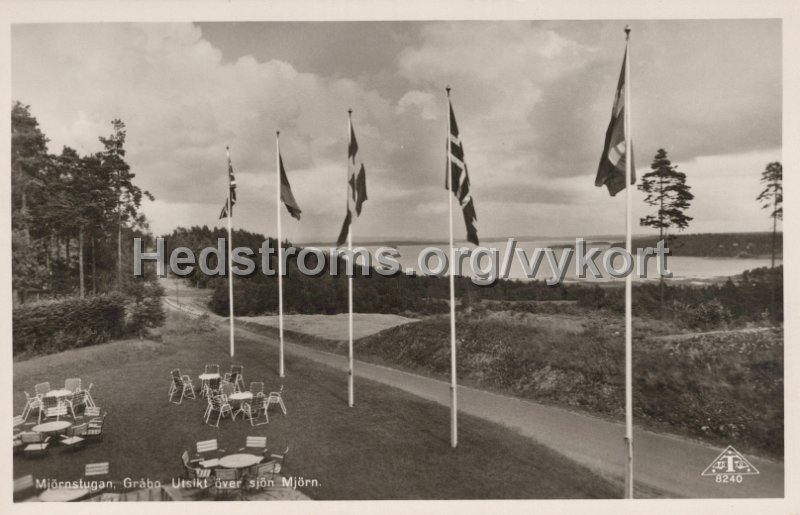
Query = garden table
x=57 y=426
x=239 y=461
x=63 y=494
x=59 y=394
x=237 y=399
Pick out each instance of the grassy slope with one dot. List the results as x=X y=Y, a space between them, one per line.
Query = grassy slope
x=721 y=387
x=392 y=445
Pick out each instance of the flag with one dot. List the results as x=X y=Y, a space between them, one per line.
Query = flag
x=286 y=193
x=611 y=171
x=232 y=195
x=356 y=189
x=459 y=180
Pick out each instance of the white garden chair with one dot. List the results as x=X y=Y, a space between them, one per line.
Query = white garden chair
x=219 y=404
x=209 y=446
x=276 y=398
x=31 y=403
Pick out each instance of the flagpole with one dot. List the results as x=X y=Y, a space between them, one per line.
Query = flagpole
x=280 y=245
x=350 y=393
x=453 y=396
x=230 y=252
x=628 y=285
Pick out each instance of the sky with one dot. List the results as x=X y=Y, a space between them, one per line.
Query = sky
x=532 y=101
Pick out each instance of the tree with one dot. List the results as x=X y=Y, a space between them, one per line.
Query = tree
x=666 y=190
x=772 y=197
x=128 y=195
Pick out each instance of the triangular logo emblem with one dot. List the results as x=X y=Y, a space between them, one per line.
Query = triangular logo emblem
x=730 y=462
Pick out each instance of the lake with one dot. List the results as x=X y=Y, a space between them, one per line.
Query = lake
x=682 y=268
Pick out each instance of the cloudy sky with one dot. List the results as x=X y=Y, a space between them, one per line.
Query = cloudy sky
x=532 y=100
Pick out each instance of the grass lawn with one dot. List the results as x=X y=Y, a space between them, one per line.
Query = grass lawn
x=391 y=445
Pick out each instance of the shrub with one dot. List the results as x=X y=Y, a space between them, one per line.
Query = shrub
x=144 y=308
x=55 y=326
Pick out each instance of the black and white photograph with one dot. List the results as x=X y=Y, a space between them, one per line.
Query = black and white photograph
x=276 y=256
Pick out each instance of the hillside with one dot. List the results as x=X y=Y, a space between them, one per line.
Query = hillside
x=734 y=244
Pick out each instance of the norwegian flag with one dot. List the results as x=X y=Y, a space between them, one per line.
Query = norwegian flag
x=232 y=192
x=459 y=179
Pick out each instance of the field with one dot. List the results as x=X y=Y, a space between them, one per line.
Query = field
x=391 y=445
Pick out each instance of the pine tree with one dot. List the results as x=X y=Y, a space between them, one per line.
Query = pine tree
x=667 y=191
x=772 y=197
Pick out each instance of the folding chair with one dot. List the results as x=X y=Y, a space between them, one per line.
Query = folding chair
x=18 y=421
x=188 y=463
x=88 y=396
x=73 y=439
x=211 y=369
x=209 y=446
x=34 y=443
x=77 y=400
x=256 y=387
x=257 y=444
x=218 y=403
x=248 y=413
x=277 y=398
x=225 y=481
x=181 y=385
x=199 y=473
x=24 y=488
x=94 y=431
x=42 y=388
x=277 y=462
x=58 y=411
x=237 y=376
x=31 y=403
x=73 y=384
x=93 y=470
x=227 y=388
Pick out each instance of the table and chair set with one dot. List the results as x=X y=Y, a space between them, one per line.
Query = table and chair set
x=226 y=396
x=250 y=468
x=82 y=419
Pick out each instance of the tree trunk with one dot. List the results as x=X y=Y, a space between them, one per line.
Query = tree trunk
x=94 y=269
x=774 y=232
x=772 y=268
x=80 y=261
x=119 y=255
x=48 y=245
x=661 y=238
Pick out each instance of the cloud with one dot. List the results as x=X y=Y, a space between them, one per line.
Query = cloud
x=532 y=100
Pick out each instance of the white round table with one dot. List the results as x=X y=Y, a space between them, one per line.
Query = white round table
x=239 y=461
x=58 y=393
x=63 y=494
x=52 y=427
x=240 y=396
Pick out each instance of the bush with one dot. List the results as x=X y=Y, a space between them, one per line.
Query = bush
x=50 y=327
x=144 y=308
x=708 y=315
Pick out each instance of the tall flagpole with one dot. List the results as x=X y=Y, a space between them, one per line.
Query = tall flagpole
x=350 y=394
x=280 y=245
x=230 y=269
x=628 y=288
x=453 y=396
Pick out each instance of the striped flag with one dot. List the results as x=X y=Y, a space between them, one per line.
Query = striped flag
x=286 y=193
x=611 y=171
x=232 y=196
x=459 y=180
x=356 y=189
